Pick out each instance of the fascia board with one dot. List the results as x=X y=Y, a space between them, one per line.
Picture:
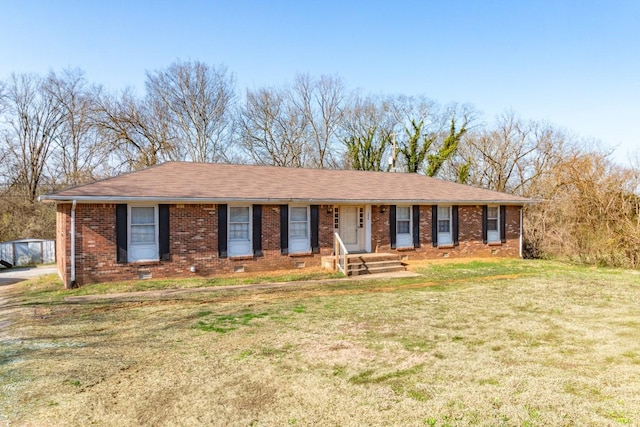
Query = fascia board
x=204 y=200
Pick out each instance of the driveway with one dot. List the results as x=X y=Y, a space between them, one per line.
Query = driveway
x=10 y=276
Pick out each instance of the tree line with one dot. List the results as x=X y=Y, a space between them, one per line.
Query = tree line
x=61 y=130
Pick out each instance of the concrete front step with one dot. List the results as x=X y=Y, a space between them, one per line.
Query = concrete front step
x=371 y=267
x=368 y=263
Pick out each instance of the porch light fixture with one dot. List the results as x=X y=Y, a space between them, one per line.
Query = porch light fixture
x=383 y=209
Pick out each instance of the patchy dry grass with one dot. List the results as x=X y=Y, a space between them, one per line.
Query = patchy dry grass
x=469 y=343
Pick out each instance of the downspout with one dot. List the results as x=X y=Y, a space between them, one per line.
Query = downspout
x=73 y=245
x=521 y=238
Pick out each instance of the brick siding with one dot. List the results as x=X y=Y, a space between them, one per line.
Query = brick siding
x=194 y=242
x=469 y=233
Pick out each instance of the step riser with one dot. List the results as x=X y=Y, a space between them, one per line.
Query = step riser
x=376 y=270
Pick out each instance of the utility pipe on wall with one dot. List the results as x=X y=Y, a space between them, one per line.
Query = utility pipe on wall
x=73 y=245
x=521 y=239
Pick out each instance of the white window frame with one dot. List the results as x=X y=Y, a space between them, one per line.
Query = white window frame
x=493 y=236
x=445 y=237
x=142 y=252
x=240 y=247
x=300 y=244
x=404 y=240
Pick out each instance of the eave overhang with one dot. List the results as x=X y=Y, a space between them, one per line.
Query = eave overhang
x=274 y=201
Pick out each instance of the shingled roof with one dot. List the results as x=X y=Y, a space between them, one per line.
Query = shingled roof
x=185 y=182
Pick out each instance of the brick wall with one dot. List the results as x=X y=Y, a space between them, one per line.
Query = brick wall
x=469 y=232
x=194 y=242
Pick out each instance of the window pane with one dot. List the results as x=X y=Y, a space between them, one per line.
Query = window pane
x=298 y=230
x=443 y=226
x=143 y=234
x=492 y=225
x=492 y=212
x=239 y=214
x=403 y=212
x=298 y=214
x=403 y=227
x=444 y=212
x=143 y=215
x=239 y=231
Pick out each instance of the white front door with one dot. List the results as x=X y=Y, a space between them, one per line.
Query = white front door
x=351 y=232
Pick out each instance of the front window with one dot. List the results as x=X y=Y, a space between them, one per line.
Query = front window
x=493 y=217
x=239 y=243
x=403 y=226
x=403 y=219
x=143 y=233
x=239 y=223
x=299 y=229
x=444 y=219
x=298 y=222
x=143 y=225
x=444 y=225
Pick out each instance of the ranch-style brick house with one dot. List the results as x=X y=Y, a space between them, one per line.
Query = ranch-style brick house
x=183 y=219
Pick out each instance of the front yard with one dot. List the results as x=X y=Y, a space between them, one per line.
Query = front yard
x=505 y=342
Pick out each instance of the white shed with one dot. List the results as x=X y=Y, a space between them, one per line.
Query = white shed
x=27 y=251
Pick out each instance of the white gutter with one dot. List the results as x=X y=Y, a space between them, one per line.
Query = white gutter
x=521 y=238
x=73 y=245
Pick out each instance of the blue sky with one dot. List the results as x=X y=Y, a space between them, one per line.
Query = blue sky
x=573 y=63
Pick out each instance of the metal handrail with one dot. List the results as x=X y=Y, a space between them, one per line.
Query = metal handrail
x=341 y=253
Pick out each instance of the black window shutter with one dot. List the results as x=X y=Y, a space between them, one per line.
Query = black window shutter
x=284 y=229
x=121 y=233
x=222 y=231
x=416 y=226
x=455 y=228
x=163 y=232
x=485 y=226
x=392 y=226
x=315 y=226
x=503 y=223
x=434 y=225
x=257 y=230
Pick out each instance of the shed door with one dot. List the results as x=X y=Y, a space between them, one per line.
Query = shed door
x=27 y=253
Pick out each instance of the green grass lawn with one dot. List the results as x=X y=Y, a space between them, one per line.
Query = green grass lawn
x=506 y=342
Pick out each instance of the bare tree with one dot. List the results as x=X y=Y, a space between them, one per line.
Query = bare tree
x=198 y=101
x=510 y=156
x=3 y=97
x=136 y=132
x=272 y=131
x=321 y=101
x=4 y=149
x=77 y=154
x=33 y=123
